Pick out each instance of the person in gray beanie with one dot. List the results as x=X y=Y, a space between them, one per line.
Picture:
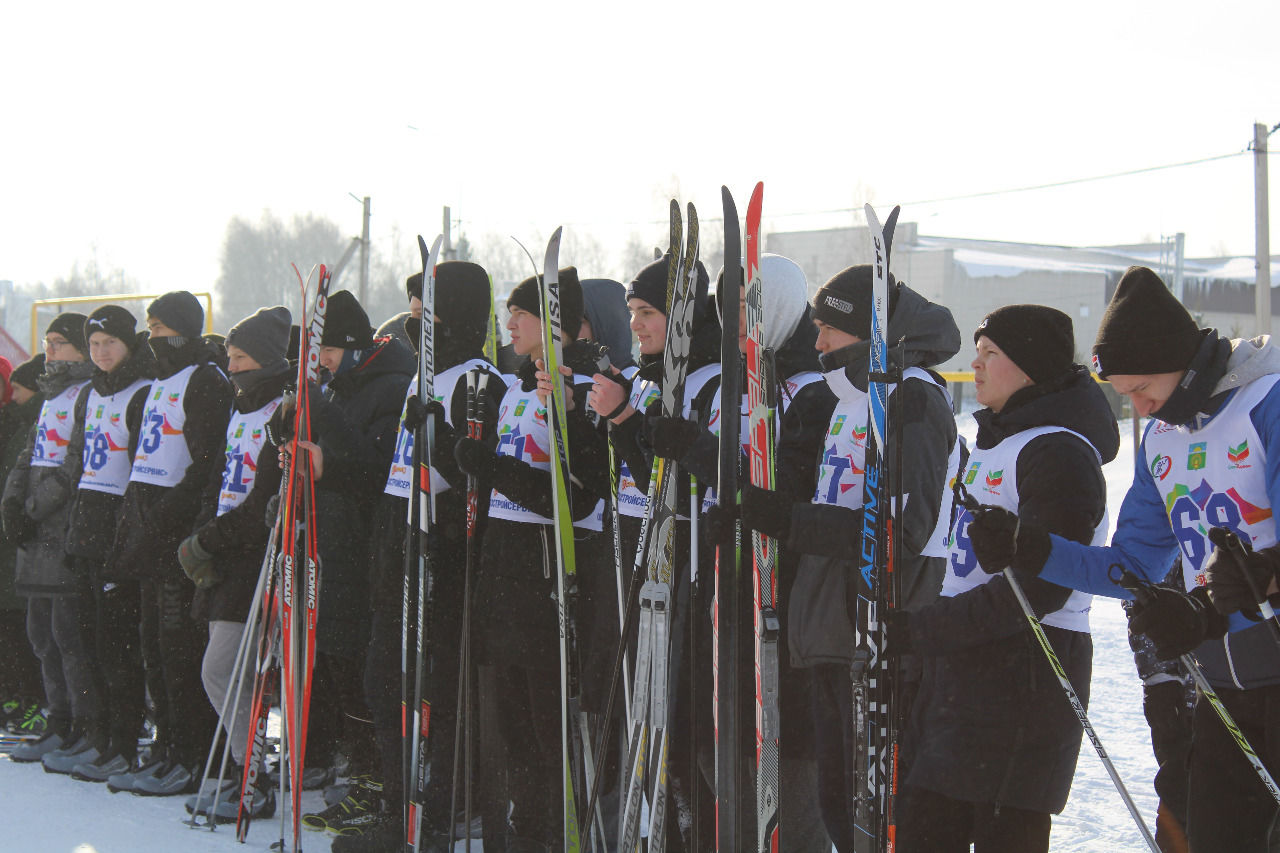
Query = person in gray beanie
x=223 y=557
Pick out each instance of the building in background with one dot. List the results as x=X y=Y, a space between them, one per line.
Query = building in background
x=973 y=277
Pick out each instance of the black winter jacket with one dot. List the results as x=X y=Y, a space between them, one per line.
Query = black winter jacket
x=238 y=538
x=828 y=538
x=155 y=519
x=43 y=567
x=357 y=431
x=991 y=724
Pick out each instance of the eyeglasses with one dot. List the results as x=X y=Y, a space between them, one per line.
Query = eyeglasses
x=53 y=344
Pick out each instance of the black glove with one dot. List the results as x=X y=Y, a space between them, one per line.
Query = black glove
x=999 y=542
x=416 y=413
x=719 y=518
x=19 y=528
x=280 y=424
x=766 y=511
x=12 y=511
x=1231 y=568
x=474 y=458
x=674 y=437
x=197 y=562
x=1177 y=622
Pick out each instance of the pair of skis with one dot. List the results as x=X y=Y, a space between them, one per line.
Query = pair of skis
x=874 y=692
x=651 y=684
x=416 y=611
x=289 y=611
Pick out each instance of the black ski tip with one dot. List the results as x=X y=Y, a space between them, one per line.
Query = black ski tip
x=889 y=225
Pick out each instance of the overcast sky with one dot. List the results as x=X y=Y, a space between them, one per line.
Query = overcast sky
x=135 y=131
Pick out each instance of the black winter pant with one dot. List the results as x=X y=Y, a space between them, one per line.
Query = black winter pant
x=56 y=627
x=1228 y=809
x=172 y=652
x=19 y=667
x=119 y=644
x=934 y=823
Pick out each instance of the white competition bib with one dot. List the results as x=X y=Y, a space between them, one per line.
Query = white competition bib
x=106 y=440
x=53 y=432
x=400 y=477
x=246 y=435
x=163 y=457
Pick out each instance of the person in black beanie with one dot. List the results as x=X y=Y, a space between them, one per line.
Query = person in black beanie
x=180 y=444
x=462 y=316
x=519 y=640
x=994 y=740
x=824 y=527
x=1200 y=489
x=354 y=426
x=37 y=500
x=99 y=459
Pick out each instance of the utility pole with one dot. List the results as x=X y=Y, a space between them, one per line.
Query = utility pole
x=1262 y=230
x=446 y=251
x=364 y=254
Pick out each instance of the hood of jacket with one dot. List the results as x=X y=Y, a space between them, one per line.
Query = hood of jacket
x=605 y=307
x=387 y=355
x=1075 y=402
x=926 y=331
x=1250 y=360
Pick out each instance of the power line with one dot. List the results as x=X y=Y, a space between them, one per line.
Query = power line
x=1077 y=180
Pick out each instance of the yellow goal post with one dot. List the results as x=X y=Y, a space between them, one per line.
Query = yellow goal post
x=88 y=303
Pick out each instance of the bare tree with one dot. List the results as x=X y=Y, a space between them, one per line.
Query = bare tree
x=256 y=259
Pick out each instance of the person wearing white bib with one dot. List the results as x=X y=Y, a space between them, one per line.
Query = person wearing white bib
x=181 y=445
x=824 y=533
x=108 y=422
x=462 y=306
x=633 y=404
x=518 y=640
x=223 y=556
x=34 y=509
x=804 y=408
x=993 y=740
x=1205 y=485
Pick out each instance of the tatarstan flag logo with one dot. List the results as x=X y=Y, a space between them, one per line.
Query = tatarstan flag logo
x=859 y=435
x=995 y=478
x=1238 y=454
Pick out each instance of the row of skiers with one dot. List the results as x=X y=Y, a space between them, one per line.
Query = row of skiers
x=142 y=505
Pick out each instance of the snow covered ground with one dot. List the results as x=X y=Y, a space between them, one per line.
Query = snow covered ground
x=45 y=813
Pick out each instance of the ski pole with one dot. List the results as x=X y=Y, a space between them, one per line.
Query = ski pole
x=1076 y=705
x=1142 y=594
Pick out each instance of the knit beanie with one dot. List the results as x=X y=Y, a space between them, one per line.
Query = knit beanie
x=650 y=284
x=114 y=321
x=180 y=311
x=346 y=325
x=263 y=336
x=526 y=295
x=71 y=326
x=845 y=301
x=1145 y=329
x=27 y=373
x=1037 y=338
